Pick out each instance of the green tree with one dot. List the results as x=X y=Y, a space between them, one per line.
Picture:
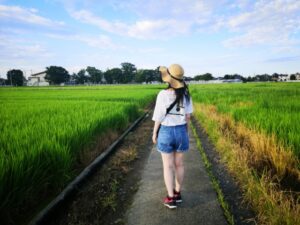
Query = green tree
x=108 y=76
x=114 y=75
x=149 y=75
x=80 y=77
x=73 y=77
x=228 y=77
x=140 y=76
x=234 y=76
x=206 y=76
x=146 y=75
x=275 y=75
x=263 y=77
x=15 y=77
x=293 y=77
x=56 y=75
x=95 y=75
x=129 y=70
x=250 y=79
x=157 y=75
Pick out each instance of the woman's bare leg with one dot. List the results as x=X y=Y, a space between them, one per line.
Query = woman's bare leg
x=179 y=170
x=168 y=164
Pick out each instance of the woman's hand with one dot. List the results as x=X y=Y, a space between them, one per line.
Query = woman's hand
x=155 y=129
x=154 y=138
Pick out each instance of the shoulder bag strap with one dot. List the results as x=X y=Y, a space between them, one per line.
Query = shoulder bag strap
x=168 y=110
x=171 y=107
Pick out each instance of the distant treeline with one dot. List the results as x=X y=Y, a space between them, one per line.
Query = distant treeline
x=258 y=77
x=127 y=73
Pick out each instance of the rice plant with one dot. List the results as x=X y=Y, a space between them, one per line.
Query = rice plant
x=42 y=131
x=255 y=129
x=273 y=108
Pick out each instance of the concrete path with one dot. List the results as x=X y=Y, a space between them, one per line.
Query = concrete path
x=200 y=204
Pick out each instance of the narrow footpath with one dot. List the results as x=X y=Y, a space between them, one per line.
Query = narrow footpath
x=200 y=204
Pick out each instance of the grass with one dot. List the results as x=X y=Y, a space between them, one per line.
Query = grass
x=260 y=187
x=265 y=164
x=214 y=181
x=272 y=108
x=44 y=130
x=110 y=200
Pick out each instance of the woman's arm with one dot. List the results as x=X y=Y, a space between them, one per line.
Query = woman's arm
x=155 y=129
x=187 y=119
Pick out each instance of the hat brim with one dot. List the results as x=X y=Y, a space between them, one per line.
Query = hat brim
x=168 y=79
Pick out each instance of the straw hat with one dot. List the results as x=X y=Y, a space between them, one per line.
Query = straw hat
x=172 y=75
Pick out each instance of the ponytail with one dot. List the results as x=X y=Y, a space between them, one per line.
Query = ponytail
x=180 y=94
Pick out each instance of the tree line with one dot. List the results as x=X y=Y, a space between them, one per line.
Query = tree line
x=55 y=75
x=258 y=77
x=127 y=73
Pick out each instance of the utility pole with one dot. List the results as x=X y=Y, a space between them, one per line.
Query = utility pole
x=10 y=77
x=25 y=77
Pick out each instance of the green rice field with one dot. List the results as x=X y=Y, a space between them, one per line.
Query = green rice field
x=273 y=108
x=43 y=130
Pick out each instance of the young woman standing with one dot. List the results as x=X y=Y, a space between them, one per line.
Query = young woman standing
x=172 y=115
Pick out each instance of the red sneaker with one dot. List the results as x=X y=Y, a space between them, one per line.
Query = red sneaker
x=170 y=202
x=177 y=196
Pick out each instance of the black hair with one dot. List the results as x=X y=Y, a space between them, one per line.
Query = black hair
x=181 y=93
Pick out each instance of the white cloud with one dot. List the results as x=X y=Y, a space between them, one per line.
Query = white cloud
x=271 y=22
x=268 y=22
x=88 y=17
x=19 y=53
x=143 y=29
x=180 y=9
x=154 y=50
x=258 y=35
x=283 y=59
x=157 y=29
x=25 y=15
x=153 y=19
x=17 y=48
x=98 y=41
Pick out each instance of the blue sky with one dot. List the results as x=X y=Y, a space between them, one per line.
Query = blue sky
x=217 y=36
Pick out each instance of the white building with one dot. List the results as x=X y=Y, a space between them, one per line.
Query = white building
x=296 y=76
x=37 y=79
x=283 y=77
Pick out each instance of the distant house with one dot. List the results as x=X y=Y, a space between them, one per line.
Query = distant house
x=37 y=79
x=2 y=81
x=232 y=81
x=283 y=77
x=295 y=76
